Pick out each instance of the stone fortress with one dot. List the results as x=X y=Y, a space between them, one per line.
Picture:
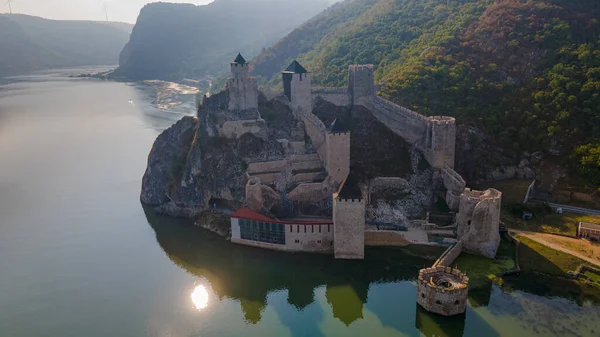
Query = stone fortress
x=320 y=168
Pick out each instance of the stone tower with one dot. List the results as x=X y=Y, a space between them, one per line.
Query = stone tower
x=297 y=87
x=349 y=221
x=478 y=221
x=338 y=151
x=361 y=83
x=440 y=141
x=243 y=90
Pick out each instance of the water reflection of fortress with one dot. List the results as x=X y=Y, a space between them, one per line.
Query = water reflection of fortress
x=240 y=273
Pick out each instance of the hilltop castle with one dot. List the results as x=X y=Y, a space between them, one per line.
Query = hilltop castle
x=441 y=289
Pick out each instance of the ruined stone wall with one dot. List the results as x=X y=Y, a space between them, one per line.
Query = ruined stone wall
x=235 y=129
x=478 y=221
x=385 y=239
x=455 y=185
x=338 y=151
x=268 y=166
x=349 y=229
x=440 y=299
x=337 y=96
x=310 y=192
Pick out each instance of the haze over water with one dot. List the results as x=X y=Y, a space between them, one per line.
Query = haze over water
x=79 y=256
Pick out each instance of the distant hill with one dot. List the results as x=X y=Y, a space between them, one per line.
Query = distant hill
x=29 y=43
x=176 y=41
x=526 y=72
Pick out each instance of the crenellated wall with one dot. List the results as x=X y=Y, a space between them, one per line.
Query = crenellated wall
x=337 y=96
x=442 y=290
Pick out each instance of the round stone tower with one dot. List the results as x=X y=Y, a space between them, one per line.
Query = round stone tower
x=442 y=290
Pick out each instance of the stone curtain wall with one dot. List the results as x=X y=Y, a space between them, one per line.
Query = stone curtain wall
x=406 y=123
x=349 y=229
x=317 y=132
x=449 y=256
x=337 y=96
x=338 y=160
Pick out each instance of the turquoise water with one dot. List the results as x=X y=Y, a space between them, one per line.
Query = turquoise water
x=79 y=255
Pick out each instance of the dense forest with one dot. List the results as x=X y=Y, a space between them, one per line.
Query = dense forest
x=30 y=43
x=526 y=72
x=177 y=41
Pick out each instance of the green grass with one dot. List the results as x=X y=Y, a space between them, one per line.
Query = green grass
x=593 y=277
x=553 y=223
x=480 y=269
x=538 y=258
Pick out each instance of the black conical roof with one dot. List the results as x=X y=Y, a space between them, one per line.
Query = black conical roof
x=337 y=127
x=349 y=188
x=296 y=68
x=240 y=59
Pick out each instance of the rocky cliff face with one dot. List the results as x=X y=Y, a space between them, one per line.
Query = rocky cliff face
x=190 y=166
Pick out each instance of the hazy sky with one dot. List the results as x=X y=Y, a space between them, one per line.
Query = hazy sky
x=118 y=10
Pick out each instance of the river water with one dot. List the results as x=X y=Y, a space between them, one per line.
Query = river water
x=79 y=255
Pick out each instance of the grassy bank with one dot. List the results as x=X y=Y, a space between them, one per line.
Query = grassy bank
x=481 y=270
x=535 y=257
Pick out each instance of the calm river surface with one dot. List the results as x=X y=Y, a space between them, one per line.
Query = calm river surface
x=79 y=255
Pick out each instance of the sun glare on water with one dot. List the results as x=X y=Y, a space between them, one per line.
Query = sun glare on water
x=200 y=297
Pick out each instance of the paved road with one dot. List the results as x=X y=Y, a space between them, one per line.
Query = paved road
x=535 y=236
x=571 y=209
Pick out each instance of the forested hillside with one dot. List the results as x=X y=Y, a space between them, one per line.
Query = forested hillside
x=526 y=72
x=29 y=43
x=175 y=41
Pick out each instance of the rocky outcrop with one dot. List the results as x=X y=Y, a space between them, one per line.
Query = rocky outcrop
x=191 y=167
x=166 y=161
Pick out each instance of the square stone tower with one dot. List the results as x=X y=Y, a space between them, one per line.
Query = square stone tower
x=361 y=83
x=297 y=87
x=338 y=151
x=243 y=90
x=349 y=221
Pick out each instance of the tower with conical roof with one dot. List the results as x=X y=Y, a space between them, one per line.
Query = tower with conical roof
x=243 y=90
x=338 y=151
x=297 y=87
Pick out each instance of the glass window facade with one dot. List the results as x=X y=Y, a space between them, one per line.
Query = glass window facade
x=262 y=231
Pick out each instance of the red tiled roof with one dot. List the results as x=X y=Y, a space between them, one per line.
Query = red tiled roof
x=248 y=214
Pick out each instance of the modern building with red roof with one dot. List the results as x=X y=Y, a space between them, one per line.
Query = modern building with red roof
x=344 y=238
x=254 y=229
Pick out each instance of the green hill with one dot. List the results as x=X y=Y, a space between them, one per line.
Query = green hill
x=526 y=72
x=175 y=41
x=29 y=43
